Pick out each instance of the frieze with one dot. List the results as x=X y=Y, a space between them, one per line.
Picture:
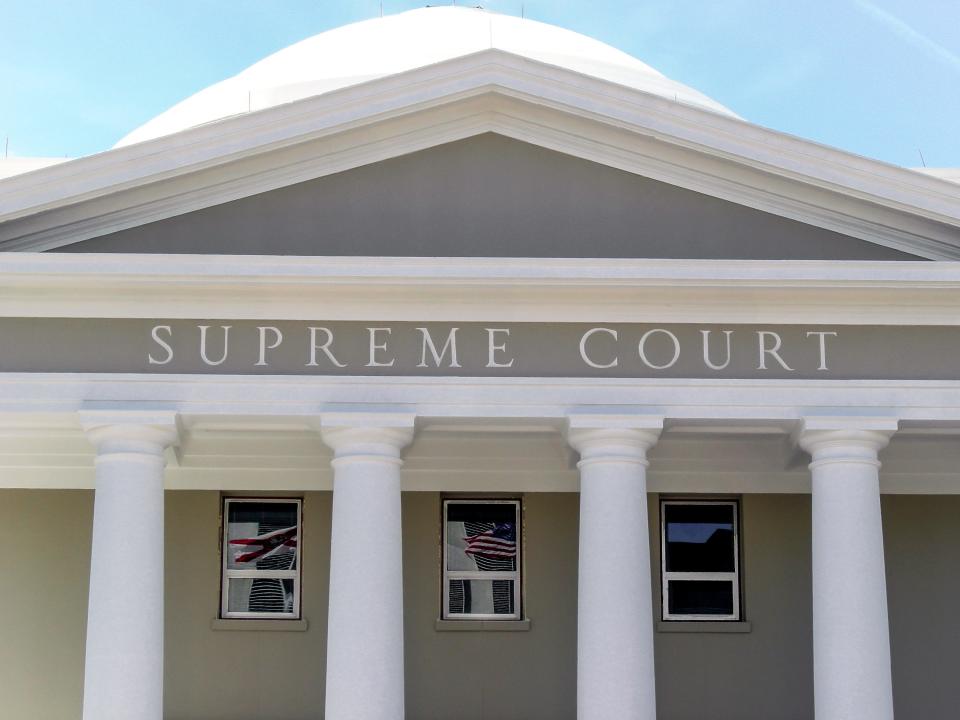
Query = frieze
x=505 y=349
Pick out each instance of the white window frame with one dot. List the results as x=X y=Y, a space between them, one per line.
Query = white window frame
x=732 y=577
x=515 y=575
x=226 y=573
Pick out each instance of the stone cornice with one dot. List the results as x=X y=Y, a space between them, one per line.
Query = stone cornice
x=479 y=289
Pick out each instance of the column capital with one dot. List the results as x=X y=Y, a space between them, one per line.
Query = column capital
x=845 y=439
x=369 y=435
x=613 y=438
x=130 y=431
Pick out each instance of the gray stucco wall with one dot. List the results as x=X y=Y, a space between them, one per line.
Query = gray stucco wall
x=488 y=196
x=496 y=675
x=44 y=571
x=235 y=675
x=922 y=543
x=763 y=675
x=766 y=674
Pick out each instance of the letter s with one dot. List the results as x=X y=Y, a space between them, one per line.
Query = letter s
x=155 y=334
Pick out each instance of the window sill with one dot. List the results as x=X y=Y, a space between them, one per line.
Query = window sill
x=482 y=625
x=704 y=626
x=258 y=625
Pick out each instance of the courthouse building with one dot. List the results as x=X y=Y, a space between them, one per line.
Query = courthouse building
x=451 y=365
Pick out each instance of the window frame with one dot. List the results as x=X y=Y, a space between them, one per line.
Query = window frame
x=733 y=577
x=515 y=575
x=227 y=573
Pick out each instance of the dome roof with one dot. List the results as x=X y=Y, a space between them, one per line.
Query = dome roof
x=384 y=46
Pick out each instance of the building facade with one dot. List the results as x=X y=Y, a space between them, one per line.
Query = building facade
x=451 y=365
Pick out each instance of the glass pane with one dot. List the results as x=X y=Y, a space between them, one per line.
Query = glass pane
x=701 y=597
x=260 y=595
x=481 y=597
x=482 y=536
x=261 y=536
x=699 y=538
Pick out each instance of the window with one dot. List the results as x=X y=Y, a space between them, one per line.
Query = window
x=261 y=558
x=699 y=557
x=481 y=560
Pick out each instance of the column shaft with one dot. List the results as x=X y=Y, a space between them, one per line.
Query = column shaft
x=851 y=641
x=615 y=665
x=123 y=677
x=365 y=624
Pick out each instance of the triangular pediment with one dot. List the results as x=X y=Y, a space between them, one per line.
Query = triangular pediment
x=487 y=196
x=489 y=154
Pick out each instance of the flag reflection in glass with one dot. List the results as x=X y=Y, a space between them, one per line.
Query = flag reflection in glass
x=261 y=558
x=481 y=565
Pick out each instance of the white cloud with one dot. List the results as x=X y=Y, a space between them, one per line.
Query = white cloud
x=909 y=34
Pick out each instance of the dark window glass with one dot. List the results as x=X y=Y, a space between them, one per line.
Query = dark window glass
x=276 y=514
x=699 y=538
x=701 y=597
x=482 y=512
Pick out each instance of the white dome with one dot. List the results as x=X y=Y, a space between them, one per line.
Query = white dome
x=384 y=46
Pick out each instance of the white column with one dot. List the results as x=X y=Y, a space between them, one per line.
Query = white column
x=365 y=622
x=851 y=637
x=615 y=667
x=123 y=676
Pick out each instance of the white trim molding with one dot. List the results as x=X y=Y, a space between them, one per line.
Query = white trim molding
x=50 y=397
x=479 y=289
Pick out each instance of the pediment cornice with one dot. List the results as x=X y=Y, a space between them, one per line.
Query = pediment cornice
x=490 y=91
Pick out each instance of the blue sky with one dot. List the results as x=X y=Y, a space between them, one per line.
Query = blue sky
x=880 y=78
